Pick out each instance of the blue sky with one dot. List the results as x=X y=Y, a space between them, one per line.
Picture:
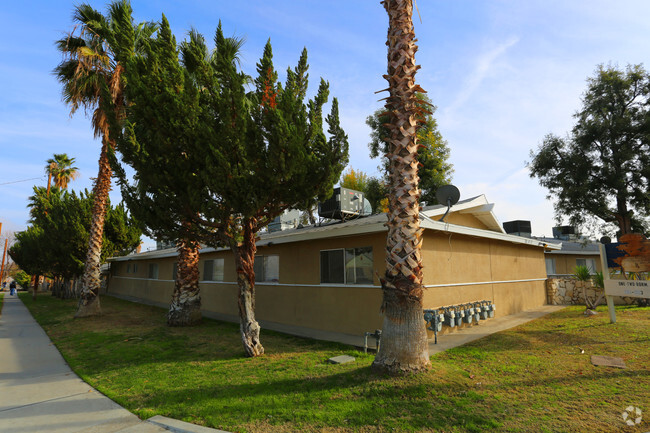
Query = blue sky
x=503 y=74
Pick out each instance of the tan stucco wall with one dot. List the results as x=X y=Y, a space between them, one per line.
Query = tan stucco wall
x=467 y=220
x=453 y=259
x=300 y=300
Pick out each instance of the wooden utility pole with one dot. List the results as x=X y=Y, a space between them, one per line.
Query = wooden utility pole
x=2 y=270
x=3 y=261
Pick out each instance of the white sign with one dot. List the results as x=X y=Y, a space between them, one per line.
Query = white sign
x=628 y=288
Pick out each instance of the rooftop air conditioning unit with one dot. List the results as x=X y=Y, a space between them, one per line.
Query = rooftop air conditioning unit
x=564 y=232
x=518 y=228
x=289 y=219
x=344 y=203
x=163 y=245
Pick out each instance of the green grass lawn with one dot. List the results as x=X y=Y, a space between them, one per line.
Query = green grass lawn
x=532 y=378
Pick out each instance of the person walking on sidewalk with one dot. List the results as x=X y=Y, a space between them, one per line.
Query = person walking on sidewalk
x=12 y=288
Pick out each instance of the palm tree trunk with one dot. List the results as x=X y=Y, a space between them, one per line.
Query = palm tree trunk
x=49 y=183
x=185 y=308
x=89 y=297
x=244 y=262
x=404 y=346
x=35 y=287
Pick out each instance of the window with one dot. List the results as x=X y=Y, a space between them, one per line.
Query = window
x=213 y=270
x=550 y=267
x=175 y=271
x=332 y=266
x=267 y=269
x=131 y=268
x=153 y=271
x=589 y=263
x=347 y=266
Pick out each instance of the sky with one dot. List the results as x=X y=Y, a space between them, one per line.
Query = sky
x=502 y=73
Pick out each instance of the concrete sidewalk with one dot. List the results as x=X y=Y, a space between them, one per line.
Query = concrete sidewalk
x=458 y=337
x=40 y=393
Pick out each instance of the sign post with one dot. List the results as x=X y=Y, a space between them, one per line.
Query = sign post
x=631 y=254
x=606 y=280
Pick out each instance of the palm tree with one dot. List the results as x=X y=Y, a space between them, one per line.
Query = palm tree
x=94 y=54
x=61 y=170
x=404 y=346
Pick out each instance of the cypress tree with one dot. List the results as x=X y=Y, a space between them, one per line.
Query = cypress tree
x=218 y=161
x=160 y=127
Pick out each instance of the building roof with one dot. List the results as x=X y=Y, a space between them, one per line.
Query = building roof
x=587 y=248
x=477 y=206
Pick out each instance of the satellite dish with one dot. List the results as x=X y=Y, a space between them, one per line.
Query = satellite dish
x=605 y=240
x=447 y=195
x=367 y=207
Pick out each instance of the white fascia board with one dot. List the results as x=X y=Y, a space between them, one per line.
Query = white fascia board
x=474 y=202
x=477 y=206
x=307 y=234
x=484 y=208
x=335 y=231
x=576 y=253
x=485 y=214
x=158 y=254
x=428 y=223
x=343 y=230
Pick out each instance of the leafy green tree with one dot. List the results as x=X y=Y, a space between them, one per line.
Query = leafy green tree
x=161 y=126
x=22 y=278
x=354 y=179
x=376 y=193
x=404 y=346
x=254 y=154
x=288 y=163
x=602 y=169
x=30 y=251
x=55 y=243
x=433 y=154
x=91 y=77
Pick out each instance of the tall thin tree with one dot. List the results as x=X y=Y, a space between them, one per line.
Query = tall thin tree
x=91 y=75
x=160 y=129
x=404 y=347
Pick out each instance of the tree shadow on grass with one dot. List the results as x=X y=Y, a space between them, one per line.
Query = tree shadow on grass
x=350 y=399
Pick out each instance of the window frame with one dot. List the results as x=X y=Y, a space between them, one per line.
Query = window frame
x=213 y=272
x=550 y=260
x=320 y=264
x=155 y=274
x=589 y=263
x=343 y=267
x=264 y=261
x=131 y=268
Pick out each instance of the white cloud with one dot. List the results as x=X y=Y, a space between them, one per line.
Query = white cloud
x=483 y=67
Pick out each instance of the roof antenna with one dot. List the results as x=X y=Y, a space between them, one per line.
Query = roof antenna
x=449 y=195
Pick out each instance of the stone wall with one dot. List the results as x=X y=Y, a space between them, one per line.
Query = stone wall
x=569 y=291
